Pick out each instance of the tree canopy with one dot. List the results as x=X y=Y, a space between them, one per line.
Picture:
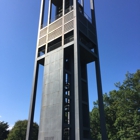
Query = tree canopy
x=122 y=111
x=3 y=130
x=18 y=132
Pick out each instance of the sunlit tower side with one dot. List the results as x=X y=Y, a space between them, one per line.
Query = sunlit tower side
x=67 y=42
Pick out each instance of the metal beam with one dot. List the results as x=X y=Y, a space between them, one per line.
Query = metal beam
x=32 y=103
x=98 y=78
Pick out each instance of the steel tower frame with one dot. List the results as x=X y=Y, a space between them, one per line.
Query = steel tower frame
x=66 y=43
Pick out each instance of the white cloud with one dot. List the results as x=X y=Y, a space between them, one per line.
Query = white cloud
x=10 y=127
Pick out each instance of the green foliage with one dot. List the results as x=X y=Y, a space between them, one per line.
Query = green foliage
x=18 y=132
x=122 y=110
x=3 y=130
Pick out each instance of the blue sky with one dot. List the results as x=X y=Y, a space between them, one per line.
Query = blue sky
x=118 y=28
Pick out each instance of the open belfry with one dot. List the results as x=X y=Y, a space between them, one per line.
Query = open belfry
x=66 y=43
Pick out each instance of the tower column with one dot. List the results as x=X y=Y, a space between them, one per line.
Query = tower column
x=98 y=78
x=32 y=103
x=34 y=86
x=49 y=12
x=76 y=74
x=100 y=99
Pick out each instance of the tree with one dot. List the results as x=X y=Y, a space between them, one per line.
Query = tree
x=18 y=132
x=3 y=130
x=122 y=111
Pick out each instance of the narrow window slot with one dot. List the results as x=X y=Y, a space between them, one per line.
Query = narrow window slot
x=41 y=50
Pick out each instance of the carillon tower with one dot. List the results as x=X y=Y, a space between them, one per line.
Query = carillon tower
x=67 y=42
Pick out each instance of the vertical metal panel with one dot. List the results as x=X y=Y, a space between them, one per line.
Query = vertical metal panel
x=43 y=32
x=68 y=26
x=55 y=34
x=82 y=19
x=83 y=28
x=91 y=28
x=52 y=96
x=68 y=17
x=92 y=36
x=42 y=41
x=55 y=25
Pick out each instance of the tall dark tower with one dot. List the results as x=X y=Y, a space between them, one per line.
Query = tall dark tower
x=66 y=43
